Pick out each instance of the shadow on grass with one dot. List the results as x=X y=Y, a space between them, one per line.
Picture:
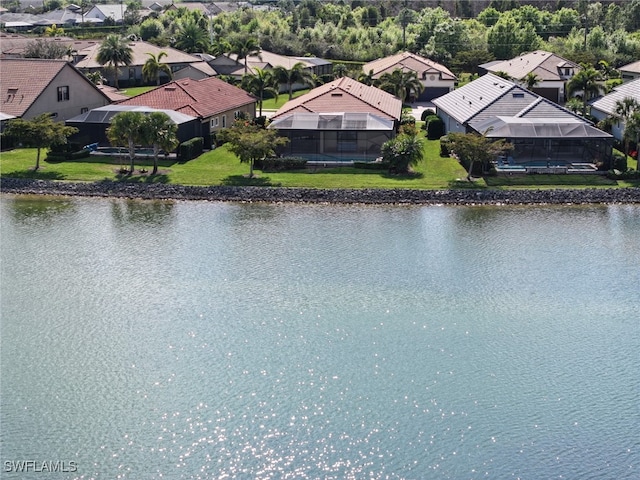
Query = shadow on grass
x=463 y=183
x=159 y=178
x=366 y=171
x=243 y=181
x=35 y=174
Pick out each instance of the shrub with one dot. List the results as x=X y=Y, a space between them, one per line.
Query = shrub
x=274 y=164
x=427 y=112
x=372 y=165
x=61 y=156
x=619 y=162
x=444 y=147
x=434 y=127
x=191 y=149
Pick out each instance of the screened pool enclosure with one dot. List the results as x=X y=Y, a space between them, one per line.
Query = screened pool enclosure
x=551 y=142
x=334 y=137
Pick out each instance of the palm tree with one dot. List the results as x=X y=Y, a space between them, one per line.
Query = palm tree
x=531 y=80
x=159 y=131
x=624 y=110
x=190 y=37
x=585 y=81
x=403 y=85
x=405 y=17
x=298 y=73
x=54 y=31
x=259 y=83
x=243 y=47
x=339 y=70
x=114 y=51
x=94 y=77
x=366 y=78
x=127 y=130
x=153 y=66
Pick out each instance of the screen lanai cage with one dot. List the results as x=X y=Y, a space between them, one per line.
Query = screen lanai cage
x=334 y=137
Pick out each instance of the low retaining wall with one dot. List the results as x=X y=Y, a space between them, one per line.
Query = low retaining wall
x=310 y=195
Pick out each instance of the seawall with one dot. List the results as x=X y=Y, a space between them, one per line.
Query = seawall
x=310 y=195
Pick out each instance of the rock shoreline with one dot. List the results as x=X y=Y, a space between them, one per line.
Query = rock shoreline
x=310 y=195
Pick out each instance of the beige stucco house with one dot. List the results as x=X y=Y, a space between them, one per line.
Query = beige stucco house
x=30 y=87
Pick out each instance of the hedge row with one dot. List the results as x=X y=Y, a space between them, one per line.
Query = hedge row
x=274 y=164
x=191 y=149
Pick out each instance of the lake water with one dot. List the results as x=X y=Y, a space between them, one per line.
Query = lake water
x=177 y=340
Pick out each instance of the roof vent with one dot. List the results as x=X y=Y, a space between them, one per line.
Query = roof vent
x=170 y=89
x=336 y=94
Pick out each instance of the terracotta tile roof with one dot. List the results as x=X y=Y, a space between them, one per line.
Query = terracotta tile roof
x=407 y=61
x=345 y=95
x=199 y=98
x=23 y=80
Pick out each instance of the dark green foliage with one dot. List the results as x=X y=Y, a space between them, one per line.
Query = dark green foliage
x=190 y=149
x=444 y=147
x=619 y=162
x=62 y=156
x=274 y=164
x=434 y=127
x=372 y=165
x=426 y=113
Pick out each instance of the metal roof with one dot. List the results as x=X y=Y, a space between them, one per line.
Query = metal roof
x=607 y=104
x=332 y=121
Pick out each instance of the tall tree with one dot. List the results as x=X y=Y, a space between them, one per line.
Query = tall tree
x=190 y=37
x=113 y=52
x=154 y=66
x=127 y=129
x=250 y=142
x=298 y=73
x=585 y=82
x=39 y=132
x=624 y=110
x=404 y=85
x=260 y=83
x=159 y=132
x=473 y=147
x=405 y=17
x=245 y=46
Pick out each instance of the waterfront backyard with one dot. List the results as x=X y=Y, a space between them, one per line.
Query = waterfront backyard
x=221 y=167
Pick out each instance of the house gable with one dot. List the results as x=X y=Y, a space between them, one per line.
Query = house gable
x=345 y=95
x=30 y=87
x=407 y=61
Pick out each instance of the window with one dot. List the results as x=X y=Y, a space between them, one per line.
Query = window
x=84 y=110
x=224 y=121
x=63 y=94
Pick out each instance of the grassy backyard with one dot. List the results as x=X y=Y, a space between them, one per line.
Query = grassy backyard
x=220 y=167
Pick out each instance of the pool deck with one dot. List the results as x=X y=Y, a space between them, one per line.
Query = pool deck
x=538 y=168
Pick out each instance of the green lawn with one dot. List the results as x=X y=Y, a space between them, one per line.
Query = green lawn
x=220 y=167
x=272 y=104
x=133 y=91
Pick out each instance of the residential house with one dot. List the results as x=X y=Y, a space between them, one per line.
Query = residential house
x=605 y=107
x=92 y=126
x=30 y=87
x=631 y=71
x=552 y=71
x=231 y=66
x=213 y=101
x=131 y=75
x=343 y=120
x=546 y=137
x=436 y=79
x=114 y=11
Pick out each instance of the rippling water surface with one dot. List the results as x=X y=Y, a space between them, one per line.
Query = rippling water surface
x=147 y=340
